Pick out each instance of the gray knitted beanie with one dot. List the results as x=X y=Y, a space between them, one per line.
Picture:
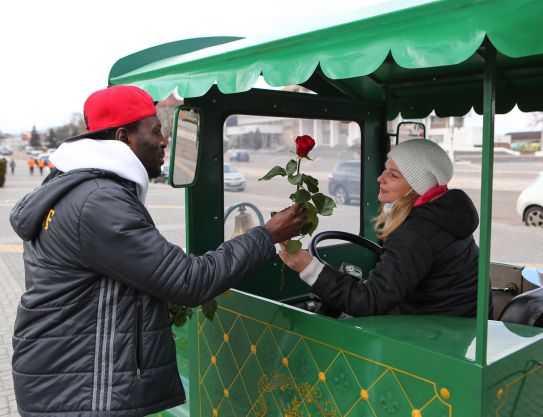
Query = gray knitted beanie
x=423 y=163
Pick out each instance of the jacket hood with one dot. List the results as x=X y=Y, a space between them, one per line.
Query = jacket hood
x=453 y=211
x=109 y=155
x=27 y=215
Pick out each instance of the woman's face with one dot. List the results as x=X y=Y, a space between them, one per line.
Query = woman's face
x=392 y=184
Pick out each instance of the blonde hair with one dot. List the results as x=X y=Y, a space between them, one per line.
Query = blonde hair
x=387 y=223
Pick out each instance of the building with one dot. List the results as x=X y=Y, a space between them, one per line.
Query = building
x=525 y=142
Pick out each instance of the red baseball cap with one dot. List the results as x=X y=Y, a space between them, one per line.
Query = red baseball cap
x=115 y=106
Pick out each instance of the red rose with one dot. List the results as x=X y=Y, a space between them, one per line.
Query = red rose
x=303 y=145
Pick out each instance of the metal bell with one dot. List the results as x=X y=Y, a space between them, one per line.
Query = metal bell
x=242 y=222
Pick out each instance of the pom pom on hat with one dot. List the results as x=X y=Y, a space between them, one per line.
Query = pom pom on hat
x=423 y=163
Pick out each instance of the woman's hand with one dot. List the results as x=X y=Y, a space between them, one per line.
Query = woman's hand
x=295 y=261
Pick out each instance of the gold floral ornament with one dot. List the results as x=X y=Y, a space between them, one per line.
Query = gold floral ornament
x=307 y=190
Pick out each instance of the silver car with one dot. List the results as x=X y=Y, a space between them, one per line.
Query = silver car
x=233 y=179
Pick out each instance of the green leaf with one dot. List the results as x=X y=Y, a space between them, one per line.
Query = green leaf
x=273 y=213
x=180 y=319
x=311 y=183
x=209 y=308
x=312 y=219
x=324 y=204
x=292 y=166
x=293 y=246
x=179 y=314
x=295 y=179
x=300 y=196
x=276 y=170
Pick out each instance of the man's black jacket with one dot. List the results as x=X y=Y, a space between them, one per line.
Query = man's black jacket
x=92 y=335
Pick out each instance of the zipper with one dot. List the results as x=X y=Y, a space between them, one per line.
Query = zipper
x=139 y=332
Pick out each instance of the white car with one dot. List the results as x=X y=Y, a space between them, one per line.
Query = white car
x=233 y=179
x=530 y=203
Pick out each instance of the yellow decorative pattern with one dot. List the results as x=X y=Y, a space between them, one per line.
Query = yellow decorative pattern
x=503 y=395
x=265 y=370
x=445 y=394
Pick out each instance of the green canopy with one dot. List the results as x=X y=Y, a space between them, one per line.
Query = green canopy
x=414 y=55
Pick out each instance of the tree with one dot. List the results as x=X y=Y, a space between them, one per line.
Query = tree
x=75 y=127
x=52 y=140
x=537 y=119
x=35 y=138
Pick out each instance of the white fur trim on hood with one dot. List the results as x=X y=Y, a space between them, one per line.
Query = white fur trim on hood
x=109 y=155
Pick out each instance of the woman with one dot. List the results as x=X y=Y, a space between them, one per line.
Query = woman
x=429 y=260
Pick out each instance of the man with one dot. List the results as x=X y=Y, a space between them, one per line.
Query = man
x=92 y=335
x=31 y=162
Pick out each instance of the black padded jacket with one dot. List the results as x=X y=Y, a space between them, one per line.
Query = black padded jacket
x=428 y=266
x=92 y=335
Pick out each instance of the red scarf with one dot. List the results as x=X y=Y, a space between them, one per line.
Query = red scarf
x=431 y=195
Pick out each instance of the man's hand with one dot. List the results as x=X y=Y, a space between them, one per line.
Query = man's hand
x=287 y=223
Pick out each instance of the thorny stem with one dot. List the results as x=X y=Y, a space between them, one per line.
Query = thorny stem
x=282 y=273
x=298 y=172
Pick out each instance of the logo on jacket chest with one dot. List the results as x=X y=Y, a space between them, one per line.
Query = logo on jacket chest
x=48 y=219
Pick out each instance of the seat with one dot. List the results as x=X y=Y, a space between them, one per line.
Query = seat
x=525 y=308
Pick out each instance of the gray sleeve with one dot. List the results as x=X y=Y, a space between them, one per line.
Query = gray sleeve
x=117 y=241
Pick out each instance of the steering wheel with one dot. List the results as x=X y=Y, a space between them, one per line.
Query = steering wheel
x=349 y=237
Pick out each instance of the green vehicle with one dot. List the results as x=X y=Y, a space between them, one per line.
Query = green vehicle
x=267 y=352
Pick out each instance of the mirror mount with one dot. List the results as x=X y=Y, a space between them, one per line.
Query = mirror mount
x=409 y=130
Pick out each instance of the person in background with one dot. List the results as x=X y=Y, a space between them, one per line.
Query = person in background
x=31 y=164
x=41 y=164
x=12 y=165
x=92 y=335
x=429 y=259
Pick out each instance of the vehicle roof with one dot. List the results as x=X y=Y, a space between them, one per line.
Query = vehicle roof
x=415 y=55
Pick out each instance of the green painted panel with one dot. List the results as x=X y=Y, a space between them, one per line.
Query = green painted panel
x=279 y=361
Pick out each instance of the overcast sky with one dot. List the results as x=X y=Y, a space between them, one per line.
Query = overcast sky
x=54 y=53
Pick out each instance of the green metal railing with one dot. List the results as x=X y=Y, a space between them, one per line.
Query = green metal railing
x=489 y=89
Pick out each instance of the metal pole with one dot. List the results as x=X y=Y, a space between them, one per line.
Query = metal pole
x=489 y=86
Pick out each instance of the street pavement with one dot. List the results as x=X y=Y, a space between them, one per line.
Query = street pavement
x=11 y=284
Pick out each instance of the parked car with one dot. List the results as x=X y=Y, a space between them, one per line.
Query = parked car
x=233 y=179
x=344 y=182
x=530 y=203
x=44 y=157
x=5 y=150
x=240 y=156
x=164 y=172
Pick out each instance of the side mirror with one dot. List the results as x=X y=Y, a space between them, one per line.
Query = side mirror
x=410 y=130
x=186 y=135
